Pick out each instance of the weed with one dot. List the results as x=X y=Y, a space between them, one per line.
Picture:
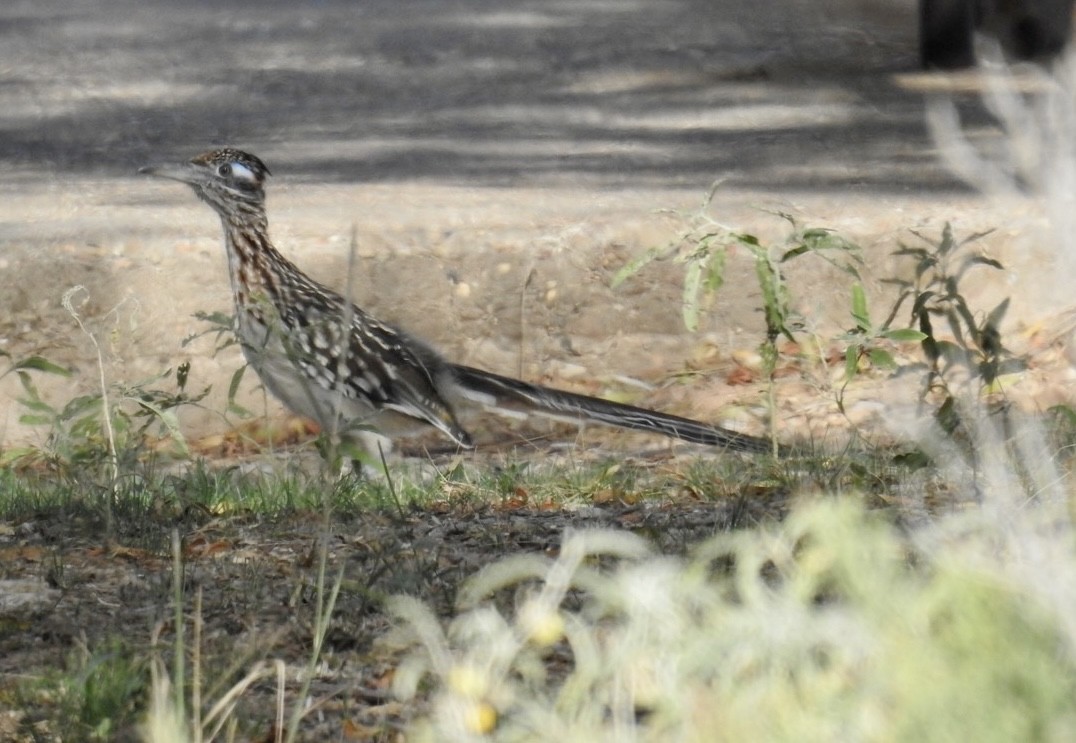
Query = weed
x=703 y=248
x=108 y=426
x=976 y=353
x=178 y=710
x=24 y=367
x=221 y=327
x=98 y=697
x=867 y=342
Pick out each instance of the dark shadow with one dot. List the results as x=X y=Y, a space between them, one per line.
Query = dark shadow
x=609 y=93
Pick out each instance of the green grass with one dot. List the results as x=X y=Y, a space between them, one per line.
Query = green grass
x=824 y=617
x=97 y=693
x=148 y=494
x=81 y=694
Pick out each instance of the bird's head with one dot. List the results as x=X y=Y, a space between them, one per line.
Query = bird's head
x=227 y=179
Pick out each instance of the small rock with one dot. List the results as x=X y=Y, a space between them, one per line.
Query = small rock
x=748 y=359
x=23 y=598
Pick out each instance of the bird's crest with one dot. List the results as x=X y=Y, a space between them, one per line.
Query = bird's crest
x=241 y=164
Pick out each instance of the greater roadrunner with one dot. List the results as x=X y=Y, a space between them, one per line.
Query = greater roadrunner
x=328 y=360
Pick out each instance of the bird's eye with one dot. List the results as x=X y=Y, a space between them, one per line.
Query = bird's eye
x=224 y=170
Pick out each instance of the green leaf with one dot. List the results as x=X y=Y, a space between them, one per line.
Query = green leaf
x=771 y=304
x=38 y=363
x=78 y=406
x=820 y=238
x=882 y=359
x=28 y=385
x=221 y=325
x=170 y=421
x=35 y=420
x=715 y=271
x=233 y=389
x=851 y=362
x=237 y=378
x=634 y=266
x=36 y=405
x=859 y=308
x=794 y=252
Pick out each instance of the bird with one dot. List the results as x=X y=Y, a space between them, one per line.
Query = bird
x=364 y=380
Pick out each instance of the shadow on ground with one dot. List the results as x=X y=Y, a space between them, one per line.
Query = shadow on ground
x=616 y=94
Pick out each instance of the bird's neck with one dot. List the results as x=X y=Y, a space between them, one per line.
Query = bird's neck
x=257 y=269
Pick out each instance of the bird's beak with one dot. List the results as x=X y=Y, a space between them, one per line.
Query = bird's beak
x=183 y=172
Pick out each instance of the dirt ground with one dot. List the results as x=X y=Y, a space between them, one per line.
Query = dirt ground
x=496 y=163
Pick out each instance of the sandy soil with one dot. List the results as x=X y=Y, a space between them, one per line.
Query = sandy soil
x=497 y=164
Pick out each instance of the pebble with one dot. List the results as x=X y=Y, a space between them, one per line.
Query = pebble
x=748 y=359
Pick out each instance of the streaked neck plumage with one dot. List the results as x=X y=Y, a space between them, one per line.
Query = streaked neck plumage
x=255 y=267
x=260 y=274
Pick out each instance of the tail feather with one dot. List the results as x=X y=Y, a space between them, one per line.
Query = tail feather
x=496 y=391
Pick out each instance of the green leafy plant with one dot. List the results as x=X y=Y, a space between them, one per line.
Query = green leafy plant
x=78 y=432
x=869 y=343
x=704 y=246
x=96 y=697
x=975 y=351
x=222 y=327
x=24 y=369
x=108 y=425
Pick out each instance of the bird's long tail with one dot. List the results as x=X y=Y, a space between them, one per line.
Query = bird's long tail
x=507 y=394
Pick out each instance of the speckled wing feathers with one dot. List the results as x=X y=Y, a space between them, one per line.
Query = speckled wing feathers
x=372 y=362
